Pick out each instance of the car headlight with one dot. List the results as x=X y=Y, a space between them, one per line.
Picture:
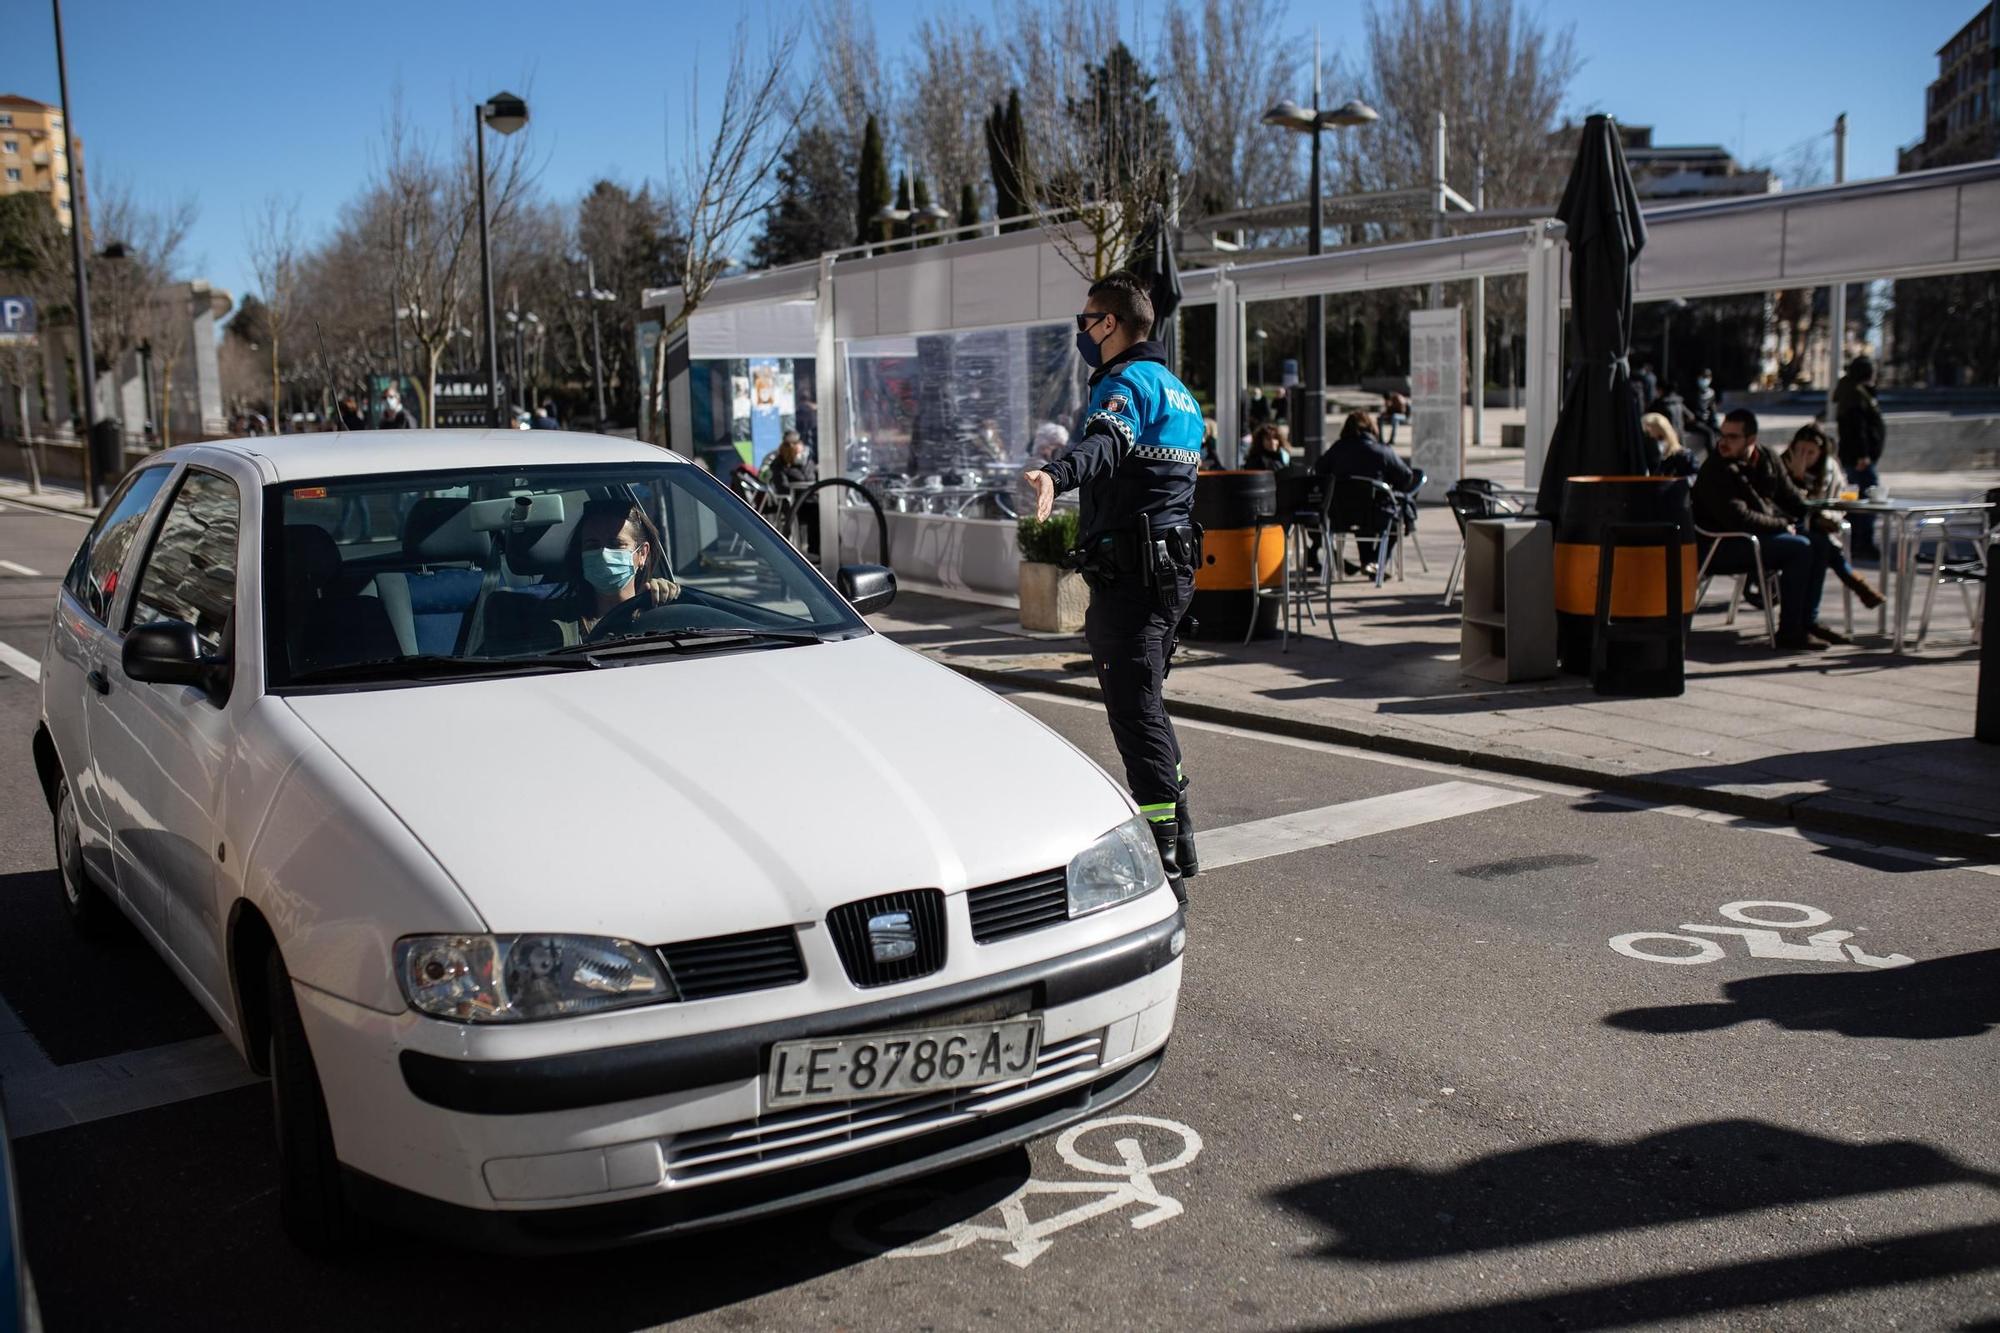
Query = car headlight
x=1121 y=865
x=517 y=978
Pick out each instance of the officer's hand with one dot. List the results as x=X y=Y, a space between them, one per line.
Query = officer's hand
x=1045 y=492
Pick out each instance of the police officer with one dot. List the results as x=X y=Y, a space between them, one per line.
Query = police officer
x=1134 y=463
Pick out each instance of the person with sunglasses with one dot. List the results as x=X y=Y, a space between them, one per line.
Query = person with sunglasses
x=1134 y=466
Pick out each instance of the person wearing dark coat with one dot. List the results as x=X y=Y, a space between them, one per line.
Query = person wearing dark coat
x=1858 y=422
x=1359 y=452
x=1740 y=488
x=1267 y=452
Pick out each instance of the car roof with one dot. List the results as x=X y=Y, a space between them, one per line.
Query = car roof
x=330 y=454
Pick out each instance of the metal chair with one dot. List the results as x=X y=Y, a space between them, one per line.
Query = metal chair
x=1366 y=510
x=1964 y=572
x=1766 y=588
x=1472 y=498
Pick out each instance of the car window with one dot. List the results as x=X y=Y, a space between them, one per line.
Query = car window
x=190 y=572
x=93 y=575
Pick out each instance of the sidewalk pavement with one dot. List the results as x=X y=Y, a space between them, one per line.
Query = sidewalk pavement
x=1857 y=741
x=58 y=499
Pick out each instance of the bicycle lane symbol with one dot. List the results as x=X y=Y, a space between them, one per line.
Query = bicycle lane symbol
x=1761 y=935
x=938 y=1225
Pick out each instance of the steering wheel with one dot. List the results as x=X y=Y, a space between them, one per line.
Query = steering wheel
x=618 y=620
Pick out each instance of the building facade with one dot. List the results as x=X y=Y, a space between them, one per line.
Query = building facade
x=1683 y=173
x=38 y=156
x=1962 y=105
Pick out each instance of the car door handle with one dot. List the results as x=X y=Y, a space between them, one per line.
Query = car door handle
x=98 y=680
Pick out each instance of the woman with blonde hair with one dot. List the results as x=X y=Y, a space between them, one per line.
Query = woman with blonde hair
x=1675 y=460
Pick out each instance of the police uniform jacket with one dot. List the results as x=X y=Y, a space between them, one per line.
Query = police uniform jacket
x=1139 y=448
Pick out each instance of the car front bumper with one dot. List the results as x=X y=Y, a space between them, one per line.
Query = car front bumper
x=579 y=1149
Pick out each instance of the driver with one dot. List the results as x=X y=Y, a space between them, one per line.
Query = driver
x=613 y=559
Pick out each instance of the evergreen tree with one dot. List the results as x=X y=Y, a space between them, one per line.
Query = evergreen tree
x=903 y=202
x=872 y=193
x=968 y=205
x=1007 y=155
x=807 y=218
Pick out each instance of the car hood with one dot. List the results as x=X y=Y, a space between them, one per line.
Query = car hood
x=682 y=797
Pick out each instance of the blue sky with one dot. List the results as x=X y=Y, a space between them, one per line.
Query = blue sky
x=233 y=100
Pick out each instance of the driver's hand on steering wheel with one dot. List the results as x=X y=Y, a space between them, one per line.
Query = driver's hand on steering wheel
x=662 y=590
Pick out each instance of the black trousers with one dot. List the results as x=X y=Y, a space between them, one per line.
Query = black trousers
x=1130 y=629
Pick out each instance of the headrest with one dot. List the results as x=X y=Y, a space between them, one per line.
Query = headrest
x=440 y=529
x=312 y=559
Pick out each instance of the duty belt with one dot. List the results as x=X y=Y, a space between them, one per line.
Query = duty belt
x=1146 y=553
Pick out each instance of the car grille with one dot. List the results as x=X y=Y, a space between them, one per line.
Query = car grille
x=1019 y=905
x=848 y=924
x=729 y=964
x=811 y=1133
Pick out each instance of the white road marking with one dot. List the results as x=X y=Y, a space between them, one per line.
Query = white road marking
x=931 y=1216
x=1763 y=939
x=1740 y=822
x=13 y=657
x=1259 y=838
x=42 y=1095
x=10 y=566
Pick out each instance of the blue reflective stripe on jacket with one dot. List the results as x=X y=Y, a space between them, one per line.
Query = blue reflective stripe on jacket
x=1138 y=449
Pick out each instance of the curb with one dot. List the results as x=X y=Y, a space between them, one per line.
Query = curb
x=1911 y=834
x=41 y=503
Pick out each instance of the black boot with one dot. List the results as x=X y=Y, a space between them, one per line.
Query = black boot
x=1190 y=862
x=1167 y=834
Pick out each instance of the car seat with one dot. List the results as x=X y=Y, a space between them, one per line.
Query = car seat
x=327 y=624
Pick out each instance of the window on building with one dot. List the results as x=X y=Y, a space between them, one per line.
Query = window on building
x=13 y=173
x=10 y=145
x=6 y=120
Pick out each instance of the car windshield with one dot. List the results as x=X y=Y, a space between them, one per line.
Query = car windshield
x=426 y=576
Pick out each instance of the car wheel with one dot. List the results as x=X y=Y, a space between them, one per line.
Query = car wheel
x=310 y=1197
x=91 y=911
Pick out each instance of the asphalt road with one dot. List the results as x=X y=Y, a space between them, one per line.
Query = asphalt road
x=1413 y=1085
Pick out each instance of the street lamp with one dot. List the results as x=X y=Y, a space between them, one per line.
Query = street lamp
x=596 y=296
x=889 y=217
x=1262 y=337
x=505 y=113
x=1289 y=115
x=1673 y=307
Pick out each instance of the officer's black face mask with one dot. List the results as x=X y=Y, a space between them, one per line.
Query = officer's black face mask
x=1089 y=348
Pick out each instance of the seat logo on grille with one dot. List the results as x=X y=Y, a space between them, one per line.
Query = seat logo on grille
x=892 y=936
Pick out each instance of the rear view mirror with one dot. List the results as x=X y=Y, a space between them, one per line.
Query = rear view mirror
x=167 y=652
x=867 y=587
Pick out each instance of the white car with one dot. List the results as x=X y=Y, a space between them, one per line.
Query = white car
x=571 y=854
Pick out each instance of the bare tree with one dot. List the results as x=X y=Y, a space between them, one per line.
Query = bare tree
x=136 y=252
x=850 y=72
x=726 y=179
x=1103 y=154
x=271 y=238
x=954 y=76
x=1227 y=63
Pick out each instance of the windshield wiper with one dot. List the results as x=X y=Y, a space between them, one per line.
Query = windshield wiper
x=423 y=666
x=682 y=640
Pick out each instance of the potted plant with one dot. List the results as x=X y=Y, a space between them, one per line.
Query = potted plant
x=1052 y=598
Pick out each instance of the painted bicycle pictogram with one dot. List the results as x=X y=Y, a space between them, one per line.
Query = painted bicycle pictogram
x=1762 y=936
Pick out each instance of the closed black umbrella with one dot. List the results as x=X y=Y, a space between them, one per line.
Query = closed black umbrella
x=1153 y=259
x=1598 y=433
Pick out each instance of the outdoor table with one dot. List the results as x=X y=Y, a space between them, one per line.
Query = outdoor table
x=1906 y=519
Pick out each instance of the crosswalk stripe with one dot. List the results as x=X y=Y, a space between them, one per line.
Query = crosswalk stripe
x=20 y=661
x=20 y=569
x=1329 y=824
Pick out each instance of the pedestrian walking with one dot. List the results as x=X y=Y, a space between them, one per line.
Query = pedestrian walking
x=1134 y=466
x=394 y=415
x=349 y=415
x=1858 y=421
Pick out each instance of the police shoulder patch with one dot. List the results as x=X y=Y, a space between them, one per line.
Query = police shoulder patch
x=1117 y=402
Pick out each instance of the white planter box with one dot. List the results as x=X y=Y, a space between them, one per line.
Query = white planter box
x=1053 y=599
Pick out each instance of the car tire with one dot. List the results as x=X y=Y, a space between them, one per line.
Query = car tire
x=311 y=1199
x=90 y=909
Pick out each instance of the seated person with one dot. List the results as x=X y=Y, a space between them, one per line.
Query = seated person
x=1211 y=461
x=1675 y=461
x=1808 y=461
x=1267 y=452
x=1395 y=411
x=1358 y=452
x=1051 y=438
x=613 y=558
x=1740 y=488
x=790 y=467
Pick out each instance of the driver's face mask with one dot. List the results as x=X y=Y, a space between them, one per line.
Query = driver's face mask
x=610 y=568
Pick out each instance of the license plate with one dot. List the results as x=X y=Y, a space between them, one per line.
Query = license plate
x=886 y=1064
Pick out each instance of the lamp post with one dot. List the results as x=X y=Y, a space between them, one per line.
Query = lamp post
x=505 y=113
x=1262 y=337
x=888 y=217
x=86 y=363
x=595 y=296
x=1673 y=307
x=1290 y=115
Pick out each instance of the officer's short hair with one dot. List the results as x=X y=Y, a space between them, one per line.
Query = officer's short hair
x=1123 y=294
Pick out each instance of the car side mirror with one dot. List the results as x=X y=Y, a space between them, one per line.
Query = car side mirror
x=866 y=587
x=168 y=652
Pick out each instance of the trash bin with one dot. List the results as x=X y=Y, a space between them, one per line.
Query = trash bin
x=1591 y=507
x=107 y=452
x=1237 y=555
